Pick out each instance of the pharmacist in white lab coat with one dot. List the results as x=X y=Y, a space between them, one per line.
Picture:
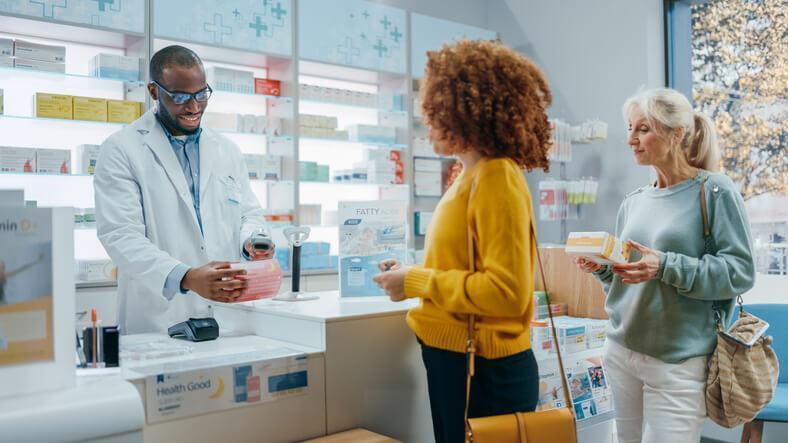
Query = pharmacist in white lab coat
x=173 y=203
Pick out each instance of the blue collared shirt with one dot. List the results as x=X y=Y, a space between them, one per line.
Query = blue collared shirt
x=188 y=153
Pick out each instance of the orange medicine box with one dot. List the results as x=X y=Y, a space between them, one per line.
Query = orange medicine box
x=54 y=106
x=600 y=247
x=266 y=86
x=123 y=111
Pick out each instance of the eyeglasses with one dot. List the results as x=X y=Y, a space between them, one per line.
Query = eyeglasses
x=181 y=98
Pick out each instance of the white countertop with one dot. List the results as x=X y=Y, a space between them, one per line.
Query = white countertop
x=328 y=307
x=229 y=349
x=96 y=407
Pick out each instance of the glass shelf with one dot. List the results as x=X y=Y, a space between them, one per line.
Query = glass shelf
x=345 y=105
x=362 y=145
x=61 y=120
x=62 y=75
x=304 y=182
x=219 y=93
x=427 y=157
x=44 y=174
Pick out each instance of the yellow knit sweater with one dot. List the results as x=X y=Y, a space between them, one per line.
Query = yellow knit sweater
x=501 y=290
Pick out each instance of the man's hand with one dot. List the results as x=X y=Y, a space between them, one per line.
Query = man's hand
x=215 y=281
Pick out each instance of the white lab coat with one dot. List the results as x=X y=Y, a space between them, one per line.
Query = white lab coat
x=146 y=220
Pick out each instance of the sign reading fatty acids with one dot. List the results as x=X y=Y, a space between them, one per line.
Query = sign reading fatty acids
x=170 y=396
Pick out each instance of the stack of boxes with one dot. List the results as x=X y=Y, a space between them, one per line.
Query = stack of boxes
x=86 y=108
x=313 y=172
x=116 y=67
x=314 y=255
x=392 y=102
x=428 y=177
x=39 y=57
x=30 y=160
x=231 y=80
x=6 y=53
x=574 y=335
x=88 y=157
x=263 y=167
x=320 y=126
x=372 y=134
x=242 y=123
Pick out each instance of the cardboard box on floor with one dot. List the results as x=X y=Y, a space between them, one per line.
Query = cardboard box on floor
x=357 y=435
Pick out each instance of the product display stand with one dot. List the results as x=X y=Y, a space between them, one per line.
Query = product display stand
x=295 y=238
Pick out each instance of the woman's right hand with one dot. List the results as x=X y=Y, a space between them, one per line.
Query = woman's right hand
x=586 y=265
x=389 y=264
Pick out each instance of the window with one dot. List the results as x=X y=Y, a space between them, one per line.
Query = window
x=735 y=68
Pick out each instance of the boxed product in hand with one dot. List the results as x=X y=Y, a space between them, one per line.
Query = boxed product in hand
x=600 y=247
x=267 y=86
x=38 y=51
x=53 y=161
x=264 y=278
x=17 y=159
x=90 y=109
x=39 y=65
x=54 y=106
x=117 y=67
x=123 y=111
x=88 y=157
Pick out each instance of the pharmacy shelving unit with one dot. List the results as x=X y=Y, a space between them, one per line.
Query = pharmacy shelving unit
x=19 y=126
x=342 y=155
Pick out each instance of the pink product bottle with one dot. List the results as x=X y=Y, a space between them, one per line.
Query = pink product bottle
x=253 y=388
x=263 y=276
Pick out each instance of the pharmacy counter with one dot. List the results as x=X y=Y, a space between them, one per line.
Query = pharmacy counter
x=237 y=387
x=98 y=409
x=374 y=376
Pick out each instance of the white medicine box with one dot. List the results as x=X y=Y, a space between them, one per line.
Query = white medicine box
x=53 y=161
x=17 y=159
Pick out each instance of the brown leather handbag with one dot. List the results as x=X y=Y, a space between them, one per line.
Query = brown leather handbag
x=554 y=426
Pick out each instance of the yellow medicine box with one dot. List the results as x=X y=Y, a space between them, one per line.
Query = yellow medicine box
x=91 y=109
x=54 y=106
x=123 y=111
x=600 y=247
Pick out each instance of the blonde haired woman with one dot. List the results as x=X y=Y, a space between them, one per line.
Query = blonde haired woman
x=663 y=304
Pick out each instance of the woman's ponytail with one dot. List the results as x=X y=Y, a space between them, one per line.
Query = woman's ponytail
x=703 y=151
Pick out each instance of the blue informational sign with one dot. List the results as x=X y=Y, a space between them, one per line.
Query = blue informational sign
x=353 y=33
x=254 y=25
x=429 y=34
x=119 y=15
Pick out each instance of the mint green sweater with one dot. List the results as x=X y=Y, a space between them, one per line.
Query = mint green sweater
x=672 y=316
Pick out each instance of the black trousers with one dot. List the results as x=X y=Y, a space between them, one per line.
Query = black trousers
x=500 y=386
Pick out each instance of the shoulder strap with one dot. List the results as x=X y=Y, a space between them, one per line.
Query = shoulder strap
x=704 y=212
x=470 y=348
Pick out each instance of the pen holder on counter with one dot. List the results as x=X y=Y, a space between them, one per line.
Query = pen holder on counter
x=107 y=347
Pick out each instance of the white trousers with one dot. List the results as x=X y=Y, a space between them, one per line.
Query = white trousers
x=656 y=402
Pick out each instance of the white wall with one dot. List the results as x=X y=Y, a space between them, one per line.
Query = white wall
x=595 y=55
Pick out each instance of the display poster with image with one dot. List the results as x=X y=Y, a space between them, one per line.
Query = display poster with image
x=26 y=325
x=587 y=381
x=369 y=233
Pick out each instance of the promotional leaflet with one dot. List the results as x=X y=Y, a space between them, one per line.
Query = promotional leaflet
x=369 y=233
x=26 y=326
x=587 y=381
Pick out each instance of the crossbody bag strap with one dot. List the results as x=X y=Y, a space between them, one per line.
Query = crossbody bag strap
x=470 y=348
x=706 y=238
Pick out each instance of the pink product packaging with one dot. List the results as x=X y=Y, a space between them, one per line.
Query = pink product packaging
x=263 y=276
